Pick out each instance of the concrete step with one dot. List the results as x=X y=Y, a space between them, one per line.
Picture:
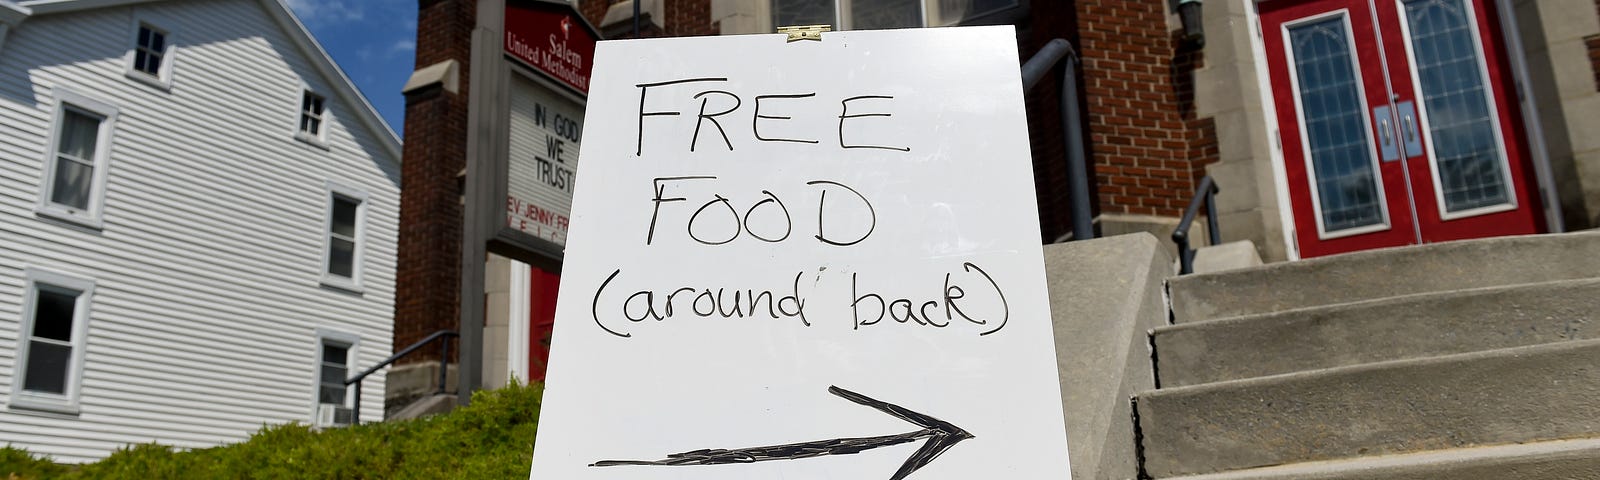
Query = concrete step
x=1414 y=326
x=1523 y=394
x=1384 y=273
x=430 y=405
x=1557 y=460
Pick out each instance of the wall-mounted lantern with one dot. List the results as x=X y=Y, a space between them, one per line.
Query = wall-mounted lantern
x=1193 y=27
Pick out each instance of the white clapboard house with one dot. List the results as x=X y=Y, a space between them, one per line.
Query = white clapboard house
x=198 y=219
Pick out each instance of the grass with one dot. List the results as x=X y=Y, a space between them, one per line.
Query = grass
x=491 y=438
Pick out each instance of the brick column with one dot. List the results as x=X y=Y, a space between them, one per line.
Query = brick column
x=427 y=291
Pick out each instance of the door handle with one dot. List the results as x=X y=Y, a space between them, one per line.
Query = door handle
x=1386 y=141
x=1408 y=124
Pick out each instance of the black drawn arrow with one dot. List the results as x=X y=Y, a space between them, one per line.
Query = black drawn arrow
x=941 y=436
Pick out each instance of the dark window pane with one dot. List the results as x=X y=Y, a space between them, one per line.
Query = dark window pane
x=144 y=37
x=331 y=394
x=334 y=354
x=315 y=126
x=333 y=375
x=341 y=258
x=52 y=317
x=153 y=65
x=787 y=13
x=872 y=14
x=305 y=103
x=953 y=11
x=139 y=60
x=79 y=134
x=344 y=217
x=47 y=367
x=72 y=184
x=316 y=105
x=157 y=41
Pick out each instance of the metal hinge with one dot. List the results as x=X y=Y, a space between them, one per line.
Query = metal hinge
x=805 y=32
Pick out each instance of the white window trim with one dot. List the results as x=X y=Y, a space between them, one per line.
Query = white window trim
x=162 y=80
x=352 y=353
x=48 y=402
x=353 y=283
x=321 y=138
x=63 y=99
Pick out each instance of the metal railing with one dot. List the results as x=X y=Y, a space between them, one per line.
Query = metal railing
x=1206 y=195
x=442 y=336
x=1059 y=52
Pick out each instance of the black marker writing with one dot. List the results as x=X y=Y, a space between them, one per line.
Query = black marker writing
x=844 y=114
x=660 y=188
x=645 y=88
x=696 y=302
x=755 y=121
x=871 y=308
x=716 y=105
x=824 y=201
x=701 y=119
x=700 y=223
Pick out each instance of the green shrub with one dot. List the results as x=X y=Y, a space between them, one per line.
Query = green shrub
x=491 y=438
x=17 y=464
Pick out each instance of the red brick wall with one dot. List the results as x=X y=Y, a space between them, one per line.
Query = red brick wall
x=680 y=18
x=595 y=10
x=430 y=209
x=1148 y=149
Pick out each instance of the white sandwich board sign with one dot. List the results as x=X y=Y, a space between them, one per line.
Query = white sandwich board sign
x=806 y=260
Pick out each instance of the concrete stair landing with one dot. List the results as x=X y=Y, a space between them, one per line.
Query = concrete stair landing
x=1462 y=360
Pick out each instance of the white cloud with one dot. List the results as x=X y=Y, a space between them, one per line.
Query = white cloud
x=328 y=11
x=403 y=45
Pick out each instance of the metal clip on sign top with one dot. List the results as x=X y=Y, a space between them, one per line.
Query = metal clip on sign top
x=805 y=32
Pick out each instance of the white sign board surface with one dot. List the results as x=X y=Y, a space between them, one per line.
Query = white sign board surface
x=545 y=129
x=808 y=260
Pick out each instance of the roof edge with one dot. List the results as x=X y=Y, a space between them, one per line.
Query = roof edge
x=346 y=89
x=286 y=20
x=45 y=7
x=13 y=14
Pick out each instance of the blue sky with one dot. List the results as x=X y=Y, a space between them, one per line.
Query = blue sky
x=374 y=41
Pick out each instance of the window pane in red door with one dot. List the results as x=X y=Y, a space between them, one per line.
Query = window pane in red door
x=1334 y=116
x=1460 y=120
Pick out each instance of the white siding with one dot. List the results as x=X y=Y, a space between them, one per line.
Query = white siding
x=207 y=302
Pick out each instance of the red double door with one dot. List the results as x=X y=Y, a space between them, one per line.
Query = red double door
x=1397 y=121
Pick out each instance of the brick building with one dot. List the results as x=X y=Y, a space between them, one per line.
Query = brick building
x=1329 y=125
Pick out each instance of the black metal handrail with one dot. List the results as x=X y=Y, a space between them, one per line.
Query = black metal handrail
x=1059 y=52
x=1205 y=194
x=441 y=336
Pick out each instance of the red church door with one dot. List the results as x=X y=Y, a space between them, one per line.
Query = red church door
x=543 y=287
x=1397 y=122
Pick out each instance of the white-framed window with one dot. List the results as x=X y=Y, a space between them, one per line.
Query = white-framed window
x=345 y=234
x=881 y=14
x=335 y=358
x=50 y=343
x=313 y=118
x=76 y=159
x=151 y=57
